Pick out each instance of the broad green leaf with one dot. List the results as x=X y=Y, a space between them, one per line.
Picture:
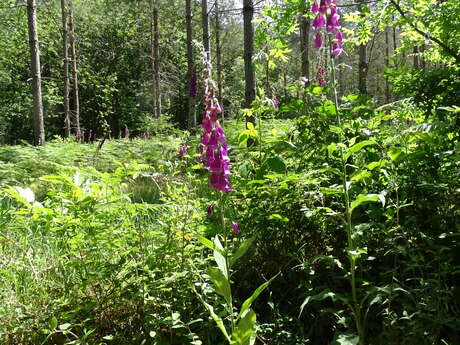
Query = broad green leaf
x=278 y=217
x=219 y=257
x=335 y=129
x=361 y=199
x=217 y=320
x=64 y=326
x=207 y=243
x=245 y=330
x=358 y=147
x=394 y=154
x=53 y=322
x=331 y=149
x=373 y=165
x=318 y=297
x=275 y=164
x=221 y=283
x=247 y=304
x=242 y=249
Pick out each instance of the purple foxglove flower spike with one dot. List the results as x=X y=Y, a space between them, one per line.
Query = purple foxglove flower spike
x=235 y=227
x=213 y=142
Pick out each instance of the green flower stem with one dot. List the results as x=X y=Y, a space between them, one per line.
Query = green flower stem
x=355 y=305
x=222 y=198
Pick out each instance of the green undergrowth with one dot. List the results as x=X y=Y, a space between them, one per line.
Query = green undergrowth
x=99 y=245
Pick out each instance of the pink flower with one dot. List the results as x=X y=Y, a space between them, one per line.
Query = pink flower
x=183 y=150
x=319 y=22
x=213 y=142
x=315 y=7
x=235 y=227
x=318 y=40
x=336 y=49
x=339 y=37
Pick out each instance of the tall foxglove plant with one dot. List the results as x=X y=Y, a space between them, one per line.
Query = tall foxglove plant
x=213 y=144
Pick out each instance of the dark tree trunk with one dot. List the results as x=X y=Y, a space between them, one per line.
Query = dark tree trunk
x=218 y=56
x=191 y=76
x=65 y=74
x=39 y=127
x=387 y=64
x=363 y=64
x=305 y=48
x=416 y=58
x=205 y=27
x=155 y=60
x=73 y=52
x=249 y=73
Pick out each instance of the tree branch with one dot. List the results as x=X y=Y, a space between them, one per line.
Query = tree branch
x=444 y=46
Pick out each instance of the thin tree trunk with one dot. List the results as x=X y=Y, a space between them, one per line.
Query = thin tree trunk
x=362 y=65
x=285 y=89
x=305 y=49
x=341 y=73
x=65 y=75
x=191 y=76
x=387 y=64
x=155 y=60
x=249 y=73
x=395 y=42
x=422 y=58
x=39 y=127
x=205 y=27
x=268 y=90
x=73 y=52
x=218 y=56
x=156 y=50
x=416 y=58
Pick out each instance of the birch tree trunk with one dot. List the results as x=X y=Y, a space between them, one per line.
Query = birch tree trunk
x=39 y=127
x=73 y=53
x=65 y=74
x=191 y=76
